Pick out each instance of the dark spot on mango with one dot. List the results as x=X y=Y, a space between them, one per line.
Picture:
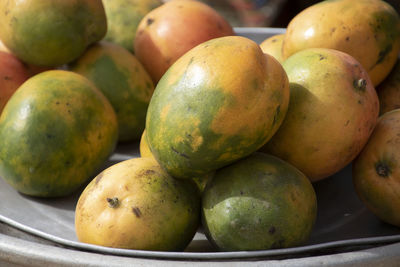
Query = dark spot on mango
x=7 y=78
x=347 y=38
x=382 y=169
x=113 y=202
x=145 y=173
x=272 y=230
x=360 y=84
x=137 y=212
x=179 y=153
x=383 y=53
x=273 y=40
x=57 y=103
x=322 y=57
x=347 y=123
x=276 y=115
x=149 y=21
x=49 y=136
x=149 y=172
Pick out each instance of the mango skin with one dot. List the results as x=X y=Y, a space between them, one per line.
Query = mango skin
x=259 y=202
x=144 y=150
x=202 y=117
x=123 y=80
x=273 y=46
x=13 y=73
x=32 y=69
x=155 y=211
x=123 y=18
x=376 y=176
x=389 y=91
x=330 y=117
x=368 y=30
x=51 y=32
x=57 y=130
x=170 y=30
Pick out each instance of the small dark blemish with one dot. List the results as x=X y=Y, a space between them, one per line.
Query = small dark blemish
x=382 y=54
x=7 y=78
x=272 y=230
x=347 y=38
x=179 y=153
x=382 y=169
x=149 y=172
x=113 y=202
x=276 y=115
x=137 y=212
x=149 y=21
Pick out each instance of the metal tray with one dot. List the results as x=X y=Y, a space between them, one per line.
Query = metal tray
x=343 y=223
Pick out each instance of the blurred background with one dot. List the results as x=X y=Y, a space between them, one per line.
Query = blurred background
x=265 y=13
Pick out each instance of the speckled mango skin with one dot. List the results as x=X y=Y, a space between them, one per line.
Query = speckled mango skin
x=56 y=131
x=169 y=31
x=123 y=80
x=376 y=175
x=51 y=32
x=273 y=46
x=123 y=18
x=219 y=102
x=259 y=202
x=368 y=30
x=329 y=118
x=389 y=91
x=155 y=210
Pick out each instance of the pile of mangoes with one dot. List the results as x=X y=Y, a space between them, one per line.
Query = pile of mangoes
x=232 y=133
